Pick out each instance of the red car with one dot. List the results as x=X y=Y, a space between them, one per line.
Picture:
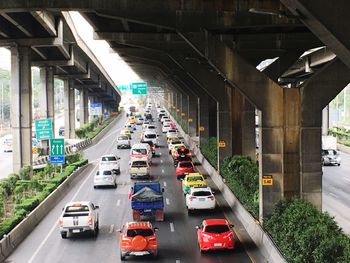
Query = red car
x=215 y=234
x=184 y=167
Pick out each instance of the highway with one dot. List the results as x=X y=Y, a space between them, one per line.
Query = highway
x=176 y=236
x=336 y=194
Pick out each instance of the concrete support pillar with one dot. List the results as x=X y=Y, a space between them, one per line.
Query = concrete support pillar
x=248 y=130
x=47 y=99
x=21 y=107
x=325 y=120
x=193 y=103
x=84 y=107
x=184 y=111
x=69 y=109
x=203 y=120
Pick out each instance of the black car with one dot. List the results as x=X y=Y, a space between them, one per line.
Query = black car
x=149 y=116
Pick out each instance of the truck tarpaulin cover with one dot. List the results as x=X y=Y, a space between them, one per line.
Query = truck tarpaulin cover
x=146 y=194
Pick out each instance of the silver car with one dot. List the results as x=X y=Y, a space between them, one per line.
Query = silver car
x=123 y=141
x=330 y=157
x=105 y=178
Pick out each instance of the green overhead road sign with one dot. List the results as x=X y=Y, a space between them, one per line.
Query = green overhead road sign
x=43 y=128
x=123 y=87
x=139 y=88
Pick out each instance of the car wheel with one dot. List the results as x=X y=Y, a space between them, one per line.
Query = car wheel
x=122 y=256
x=118 y=171
x=95 y=186
x=115 y=184
x=338 y=164
x=64 y=235
x=118 y=147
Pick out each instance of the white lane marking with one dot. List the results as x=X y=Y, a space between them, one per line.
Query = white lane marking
x=178 y=261
x=167 y=201
x=347 y=179
x=118 y=202
x=334 y=195
x=160 y=154
x=55 y=224
x=172 y=227
x=161 y=161
x=162 y=171
x=164 y=184
x=111 y=229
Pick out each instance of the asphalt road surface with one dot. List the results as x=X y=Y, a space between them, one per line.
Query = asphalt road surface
x=176 y=236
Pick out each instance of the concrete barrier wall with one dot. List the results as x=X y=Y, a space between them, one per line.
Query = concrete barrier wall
x=262 y=240
x=343 y=148
x=9 y=242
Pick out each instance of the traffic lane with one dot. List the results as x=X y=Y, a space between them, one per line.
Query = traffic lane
x=184 y=235
x=52 y=240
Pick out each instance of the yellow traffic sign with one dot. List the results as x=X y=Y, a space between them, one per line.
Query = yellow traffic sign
x=201 y=128
x=183 y=114
x=267 y=180
x=177 y=110
x=222 y=144
x=190 y=120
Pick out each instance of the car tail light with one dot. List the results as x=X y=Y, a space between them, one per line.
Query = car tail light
x=90 y=220
x=192 y=198
x=152 y=239
x=60 y=221
x=211 y=197
x=189 y=154
x=153 y=147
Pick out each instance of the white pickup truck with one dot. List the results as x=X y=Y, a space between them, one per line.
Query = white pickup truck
x=110 y=162
x=79 y=217
x=139 y=168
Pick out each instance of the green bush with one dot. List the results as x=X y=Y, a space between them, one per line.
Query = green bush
x=74 y=157
x=25 y=172
x=242 y=177
x=209 y=150
x=28 y=204
x=8 y=224
x=304 y=234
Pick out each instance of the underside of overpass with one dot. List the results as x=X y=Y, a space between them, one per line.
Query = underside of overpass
x=204 y=54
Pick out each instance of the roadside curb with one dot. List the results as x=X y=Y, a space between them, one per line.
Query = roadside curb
x=254 y=230
x=10 y=241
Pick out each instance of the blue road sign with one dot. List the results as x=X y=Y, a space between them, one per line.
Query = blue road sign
x=57 y=159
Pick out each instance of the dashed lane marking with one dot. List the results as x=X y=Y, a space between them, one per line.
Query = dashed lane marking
x=346 y=179
x=118 y=202
x=164 y=184
x=167 y=201
x=111 y=229
x=161 y=161
x=178 y=261
x=162 y=171
x=172 y=227
x=334 y=195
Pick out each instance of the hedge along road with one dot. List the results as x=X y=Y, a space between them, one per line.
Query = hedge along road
x=177 y=234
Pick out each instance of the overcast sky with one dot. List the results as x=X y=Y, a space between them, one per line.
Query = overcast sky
x=118 y=70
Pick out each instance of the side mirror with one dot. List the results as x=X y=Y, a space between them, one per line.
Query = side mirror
x=162 y=190
x=97 y=206
x=155 y=229
x=213 y=192
x=232 y=226
x=118 y=158
x=197 y=227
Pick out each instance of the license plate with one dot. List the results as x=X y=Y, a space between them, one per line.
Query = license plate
x=217 y=244
x=141 y=253
x=76 y=231
x=201 y=199
x=147 y=210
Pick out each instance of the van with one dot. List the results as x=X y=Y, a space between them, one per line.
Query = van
x=150 y=135
x=141 y=150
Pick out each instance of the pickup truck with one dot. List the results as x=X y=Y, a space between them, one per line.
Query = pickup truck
x=110 y=162
x=79 y=217
x=147 y=201
x=139 y=168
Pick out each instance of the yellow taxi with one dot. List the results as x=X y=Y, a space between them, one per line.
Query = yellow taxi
x=126 y=132
x=175 y=147
x=132 y=119
x=192 y=180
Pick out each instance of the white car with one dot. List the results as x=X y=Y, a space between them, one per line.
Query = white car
x=171 y=133
x=150 y=135
x=200 y=198
x=166 y=127
x=145 y=124
x=130 y=126
x=105 y=178
x=151 y=127
x=164 y=118
x=139 y=121
x=140 y=151
x=110 y=162
x=123 y=141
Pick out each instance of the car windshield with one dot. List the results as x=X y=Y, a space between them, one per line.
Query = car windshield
x=139 y=232
x=330 y=152
x=139 y=151
x=216 y=229
x=150 y=136
x=107 y=172
x=108 y=159
x=201 y=193
x=77 y=208
x=185 y=165
x=175 y=142
x=194 y=178
x=123 y=138
x=151 y=127
x=172 y=131
x=139 y=164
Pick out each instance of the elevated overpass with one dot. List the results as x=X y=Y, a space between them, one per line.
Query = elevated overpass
x=49 y=40
x=204 y=54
